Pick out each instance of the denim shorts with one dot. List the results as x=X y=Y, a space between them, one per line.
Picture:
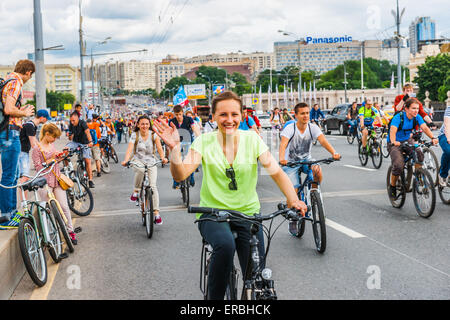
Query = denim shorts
x=24 y=164
x=292 y=173
x=86 y=152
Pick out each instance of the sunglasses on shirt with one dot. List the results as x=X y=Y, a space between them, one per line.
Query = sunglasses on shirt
x=231 y=175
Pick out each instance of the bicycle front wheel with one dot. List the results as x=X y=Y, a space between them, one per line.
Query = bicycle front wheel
x=377 y=157
x=362 y=154
x=431 y=164
x=350 y=136
x=148 y=211
x=80 y=199
x=384 y=146
x=32 y=252
x=105 y=165
x=424 y=194
x=54 y=240
x=59 y=219
x=318 y=225
x=444 y=194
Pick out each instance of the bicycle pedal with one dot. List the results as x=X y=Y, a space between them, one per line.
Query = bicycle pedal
x=77 y=230
x=63 y=255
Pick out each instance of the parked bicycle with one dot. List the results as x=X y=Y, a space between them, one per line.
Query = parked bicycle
x=257 y=284
x=313 y=198
x=418 y=181
x=39 y=231
x=79 y=197
x=145 y=199
x=372 y=149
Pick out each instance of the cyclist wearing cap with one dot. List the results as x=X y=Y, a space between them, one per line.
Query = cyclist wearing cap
x=229 y=159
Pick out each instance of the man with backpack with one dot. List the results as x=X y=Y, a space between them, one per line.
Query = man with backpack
x=248 y=122
x=80 y=136
x=11 y=114
x=400 y=130
x=367 y=115
x=296 y=143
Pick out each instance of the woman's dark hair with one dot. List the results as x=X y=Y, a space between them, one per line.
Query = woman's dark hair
x=136 y=128
x=410 y=102
x=226 y=95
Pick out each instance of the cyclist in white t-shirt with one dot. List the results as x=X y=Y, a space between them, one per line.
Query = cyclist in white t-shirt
x=296 y=143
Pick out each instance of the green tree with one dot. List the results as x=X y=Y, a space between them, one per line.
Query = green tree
x=433 y=75
x=172 y=86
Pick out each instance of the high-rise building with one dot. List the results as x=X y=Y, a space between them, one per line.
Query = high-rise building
x=318 y=57
x=422 y=28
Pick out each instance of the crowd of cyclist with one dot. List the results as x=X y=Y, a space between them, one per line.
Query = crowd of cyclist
x=228 y=146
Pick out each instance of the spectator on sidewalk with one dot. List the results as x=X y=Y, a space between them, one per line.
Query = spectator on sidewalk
x=10 y=123
x=28 y=140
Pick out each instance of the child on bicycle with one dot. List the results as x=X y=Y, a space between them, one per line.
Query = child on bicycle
x=143 y=146
x=45 y=152
x=229 y=159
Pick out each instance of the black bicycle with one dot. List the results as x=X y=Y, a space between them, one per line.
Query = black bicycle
x=373 y=148
x=79 y=197
x=257 y=284
x=422 y=188
x=110 y=153
x=313 y=198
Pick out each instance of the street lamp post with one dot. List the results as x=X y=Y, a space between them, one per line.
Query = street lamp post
x=92 y=67
x=209 y=79
x=299 y=40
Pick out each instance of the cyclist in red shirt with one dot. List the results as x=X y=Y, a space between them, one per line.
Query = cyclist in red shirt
x=408 y=92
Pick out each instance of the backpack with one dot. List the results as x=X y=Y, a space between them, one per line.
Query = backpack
x=94 y=136
x=295 y=125
x=4 y=118
x=402 y=119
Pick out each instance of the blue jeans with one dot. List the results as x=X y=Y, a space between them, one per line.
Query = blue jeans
x=10 y=151
x=445 y=160
x=352 y=124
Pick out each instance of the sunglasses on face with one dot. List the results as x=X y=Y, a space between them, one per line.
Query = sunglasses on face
x=230 y=175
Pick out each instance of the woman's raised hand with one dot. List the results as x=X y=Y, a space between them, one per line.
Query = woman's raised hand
x=168 y=134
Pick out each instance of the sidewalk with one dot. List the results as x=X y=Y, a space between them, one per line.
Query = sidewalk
x=12 y=267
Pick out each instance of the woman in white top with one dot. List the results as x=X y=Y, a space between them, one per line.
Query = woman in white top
x=142 y=148
x=276 y=119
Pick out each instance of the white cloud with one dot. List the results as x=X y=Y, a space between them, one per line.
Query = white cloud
x=192 y=27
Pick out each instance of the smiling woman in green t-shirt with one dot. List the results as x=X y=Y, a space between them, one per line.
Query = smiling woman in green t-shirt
x=229 y=158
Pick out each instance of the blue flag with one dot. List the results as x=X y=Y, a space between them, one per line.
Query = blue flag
x=180 y=98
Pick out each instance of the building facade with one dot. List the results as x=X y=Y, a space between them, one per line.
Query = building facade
x=167 y=69
x=260 y=60
x=318 y=57
x=58 y=77
x=422 y=28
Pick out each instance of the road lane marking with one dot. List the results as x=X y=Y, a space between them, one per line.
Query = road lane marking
x=347 y=231
x=52 y=269
x=360 y=168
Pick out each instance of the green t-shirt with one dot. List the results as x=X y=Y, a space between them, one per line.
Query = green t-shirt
x=215 y=192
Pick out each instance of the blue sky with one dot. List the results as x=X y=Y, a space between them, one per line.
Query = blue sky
x=191 y=27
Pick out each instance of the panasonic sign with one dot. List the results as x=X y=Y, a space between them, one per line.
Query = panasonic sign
x=328 y=40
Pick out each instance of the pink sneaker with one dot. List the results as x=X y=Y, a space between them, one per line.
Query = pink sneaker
x=158 y=220
x=134 y=197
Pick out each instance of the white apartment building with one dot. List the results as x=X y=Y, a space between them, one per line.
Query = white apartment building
x=169 y=68
x=261 y=60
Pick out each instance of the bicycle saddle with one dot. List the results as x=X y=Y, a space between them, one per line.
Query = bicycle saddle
x=36 y=184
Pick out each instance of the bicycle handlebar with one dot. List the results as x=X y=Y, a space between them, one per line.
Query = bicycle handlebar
x=309 y=163
x=225 y=214
x=140 y=165
x=38 y=174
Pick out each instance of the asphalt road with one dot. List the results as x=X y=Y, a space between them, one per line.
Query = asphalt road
x=374 y=251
